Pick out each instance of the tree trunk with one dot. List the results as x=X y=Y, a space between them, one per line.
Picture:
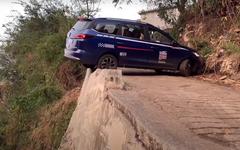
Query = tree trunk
x=88 y=11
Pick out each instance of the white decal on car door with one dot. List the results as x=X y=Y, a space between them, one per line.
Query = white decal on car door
x=162 y=56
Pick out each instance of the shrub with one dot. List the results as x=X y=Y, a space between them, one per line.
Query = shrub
x=36 y=98
x=36 y=45
x=231 y=48
x=50 y=48
x=202 y=46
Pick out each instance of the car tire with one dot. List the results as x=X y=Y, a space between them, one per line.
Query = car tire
x=200 y=69
x=107 y=61
x=186 y=68
x=158 y=71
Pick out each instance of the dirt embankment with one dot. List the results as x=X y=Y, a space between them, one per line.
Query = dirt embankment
x=218 y=40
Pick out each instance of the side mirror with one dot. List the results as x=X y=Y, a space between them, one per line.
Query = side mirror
x=174 y=43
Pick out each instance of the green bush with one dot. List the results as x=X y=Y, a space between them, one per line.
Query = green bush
x=36 y=98
x=203 y=47
x=36 y=43
x=50 y=48
x=232 y=48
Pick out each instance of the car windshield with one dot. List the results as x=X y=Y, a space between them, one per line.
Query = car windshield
x=166 y=33
x=170 y=37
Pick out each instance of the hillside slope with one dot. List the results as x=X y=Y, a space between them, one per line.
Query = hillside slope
x=218 y=40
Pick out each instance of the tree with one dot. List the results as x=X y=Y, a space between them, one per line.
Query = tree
x=164 y=5
x=89 y=8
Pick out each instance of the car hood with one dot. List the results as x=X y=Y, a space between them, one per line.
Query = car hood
x=188 y=48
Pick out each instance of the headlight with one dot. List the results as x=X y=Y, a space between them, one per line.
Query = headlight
x=196 y=54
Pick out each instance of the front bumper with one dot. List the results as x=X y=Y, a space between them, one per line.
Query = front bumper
x=200 y=65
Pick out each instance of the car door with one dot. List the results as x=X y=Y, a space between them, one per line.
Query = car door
x=105 y=38
x=166 y=54
x=133 y=50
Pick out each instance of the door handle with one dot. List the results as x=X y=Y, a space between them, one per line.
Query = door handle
x=119 y=42
x=152 y=47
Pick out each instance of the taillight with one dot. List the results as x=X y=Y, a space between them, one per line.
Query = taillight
x=82 y=36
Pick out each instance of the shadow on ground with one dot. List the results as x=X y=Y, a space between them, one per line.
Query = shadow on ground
x=143 y=72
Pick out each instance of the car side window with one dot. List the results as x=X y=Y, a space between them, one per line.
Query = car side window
x=132 y=31
x=107 y=28
x=157 y=36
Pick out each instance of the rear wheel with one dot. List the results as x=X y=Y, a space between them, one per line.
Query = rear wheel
x=186 y=68
x=107 y=62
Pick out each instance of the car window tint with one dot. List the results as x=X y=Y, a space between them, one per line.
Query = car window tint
x=107 y=28
x=81 y=25
x=132 y=31
x=157 y=36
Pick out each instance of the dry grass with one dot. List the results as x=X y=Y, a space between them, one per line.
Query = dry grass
x=70 y=74
x=223 y=36
x=53 y=122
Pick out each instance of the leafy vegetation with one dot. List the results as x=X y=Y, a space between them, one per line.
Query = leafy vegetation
x=35 y=48
x=88 y=8
x=231 y=48
x=202 y=46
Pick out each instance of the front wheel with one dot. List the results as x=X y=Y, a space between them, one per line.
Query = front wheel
x=186 y=68
x=158 y=71
x=107 y=62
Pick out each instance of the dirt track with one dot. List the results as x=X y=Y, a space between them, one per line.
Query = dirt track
x=210 y=111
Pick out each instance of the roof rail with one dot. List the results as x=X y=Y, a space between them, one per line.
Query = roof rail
x=81 y=18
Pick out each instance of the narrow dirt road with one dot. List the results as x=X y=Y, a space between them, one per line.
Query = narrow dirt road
x=208 y=110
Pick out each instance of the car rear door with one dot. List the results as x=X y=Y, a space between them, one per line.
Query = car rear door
x=105 y=41
x=133 y=50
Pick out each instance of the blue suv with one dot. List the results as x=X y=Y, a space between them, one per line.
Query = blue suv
x=108 y=43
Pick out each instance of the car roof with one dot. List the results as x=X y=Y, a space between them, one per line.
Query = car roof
x=131 y=21
x=121 y=20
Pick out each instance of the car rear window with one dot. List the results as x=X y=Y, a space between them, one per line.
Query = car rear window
x=133 y=31
x=107 y=28
x=81 y=25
